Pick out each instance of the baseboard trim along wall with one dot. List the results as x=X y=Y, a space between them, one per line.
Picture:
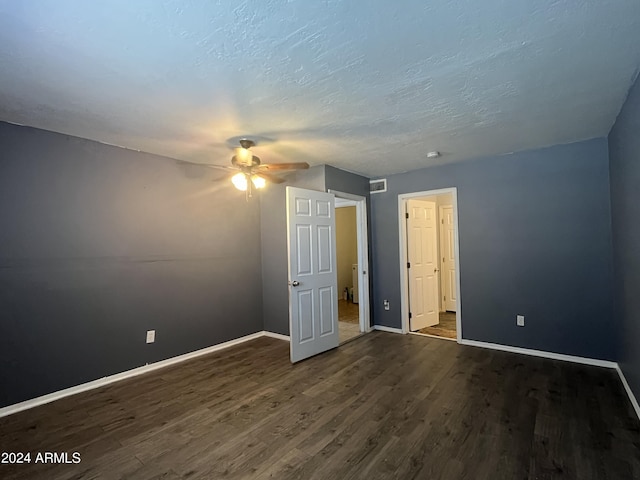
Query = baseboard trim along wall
x=279 y=336
x=632 y=397
x=101 y=382
x=541 y=353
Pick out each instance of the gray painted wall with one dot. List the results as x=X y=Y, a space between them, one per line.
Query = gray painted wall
x=347 y=182
x=274 y=235
x=624 y=157
x=99 y=244
x=535 y=239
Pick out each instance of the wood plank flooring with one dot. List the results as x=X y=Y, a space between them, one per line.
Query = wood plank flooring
x=382 y=406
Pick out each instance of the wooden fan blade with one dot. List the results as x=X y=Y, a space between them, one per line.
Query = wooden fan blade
x=219 y=167
x=269 y=178
x=285 y=166
x=223 y=177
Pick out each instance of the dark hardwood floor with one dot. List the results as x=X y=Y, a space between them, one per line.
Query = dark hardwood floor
x=382 y=406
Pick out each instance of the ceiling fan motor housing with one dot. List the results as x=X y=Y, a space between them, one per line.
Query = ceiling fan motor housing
x=246 y=143
x=244 y=158
x=255 y=161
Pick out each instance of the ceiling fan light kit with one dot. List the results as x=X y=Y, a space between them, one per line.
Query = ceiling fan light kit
x=258 y=181
x=253 y=174
x=239 y=181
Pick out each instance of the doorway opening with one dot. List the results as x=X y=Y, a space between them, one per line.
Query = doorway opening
x=352 y=266
x=429 y=262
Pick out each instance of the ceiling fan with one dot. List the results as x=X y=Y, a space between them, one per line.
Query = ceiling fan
x=252 y=173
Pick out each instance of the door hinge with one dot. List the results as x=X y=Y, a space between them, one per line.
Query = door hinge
x=445 y=298
x=406 y=214
x=443 y=259
x=408 y=265
x=409 y=315
x=442 y=221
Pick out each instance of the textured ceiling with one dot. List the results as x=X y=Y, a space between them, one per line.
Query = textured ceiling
x=366 y=86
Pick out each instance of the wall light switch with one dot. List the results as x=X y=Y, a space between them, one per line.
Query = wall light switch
x=151 y=336
x=520 y=320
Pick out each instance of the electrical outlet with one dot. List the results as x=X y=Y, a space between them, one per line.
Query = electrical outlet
x=386 y=304
x=520 y=320
x=151 y=336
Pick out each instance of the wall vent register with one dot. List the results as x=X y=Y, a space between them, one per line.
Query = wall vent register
x=378 y=186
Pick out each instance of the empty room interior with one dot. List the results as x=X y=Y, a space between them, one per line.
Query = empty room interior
x=309 y=240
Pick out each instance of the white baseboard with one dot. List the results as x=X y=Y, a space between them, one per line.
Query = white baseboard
x=626 y=386
x=279 y=336
x=101 y=382
x=382 y=328
x=541 y=353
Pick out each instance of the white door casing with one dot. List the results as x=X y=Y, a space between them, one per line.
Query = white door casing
x=313 y=282
x=423 y=263
x=403 y=198
x=447 y=252
x=360 y=203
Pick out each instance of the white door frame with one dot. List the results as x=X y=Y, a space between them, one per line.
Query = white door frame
x=362 y=239
x=402 y=229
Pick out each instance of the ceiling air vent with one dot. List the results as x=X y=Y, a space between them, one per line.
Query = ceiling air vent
x=378 y=186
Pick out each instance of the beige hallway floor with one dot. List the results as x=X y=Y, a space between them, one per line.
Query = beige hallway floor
x=348 y=320
x=446 y=328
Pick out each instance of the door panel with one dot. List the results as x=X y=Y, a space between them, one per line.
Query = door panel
x=326 y=310
x=305 y=315
x=303 y=238
x=325 y=253
x=422 y=247
x=448 y=259
x=323 y=208
x=303 y=207
x=313 y=285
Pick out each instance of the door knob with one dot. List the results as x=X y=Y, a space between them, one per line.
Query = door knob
x=295 y=283
x=435 y=270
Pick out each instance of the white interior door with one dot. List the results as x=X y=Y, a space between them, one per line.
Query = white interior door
x=447 y=249
x=422 y=237
x=313 y=281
